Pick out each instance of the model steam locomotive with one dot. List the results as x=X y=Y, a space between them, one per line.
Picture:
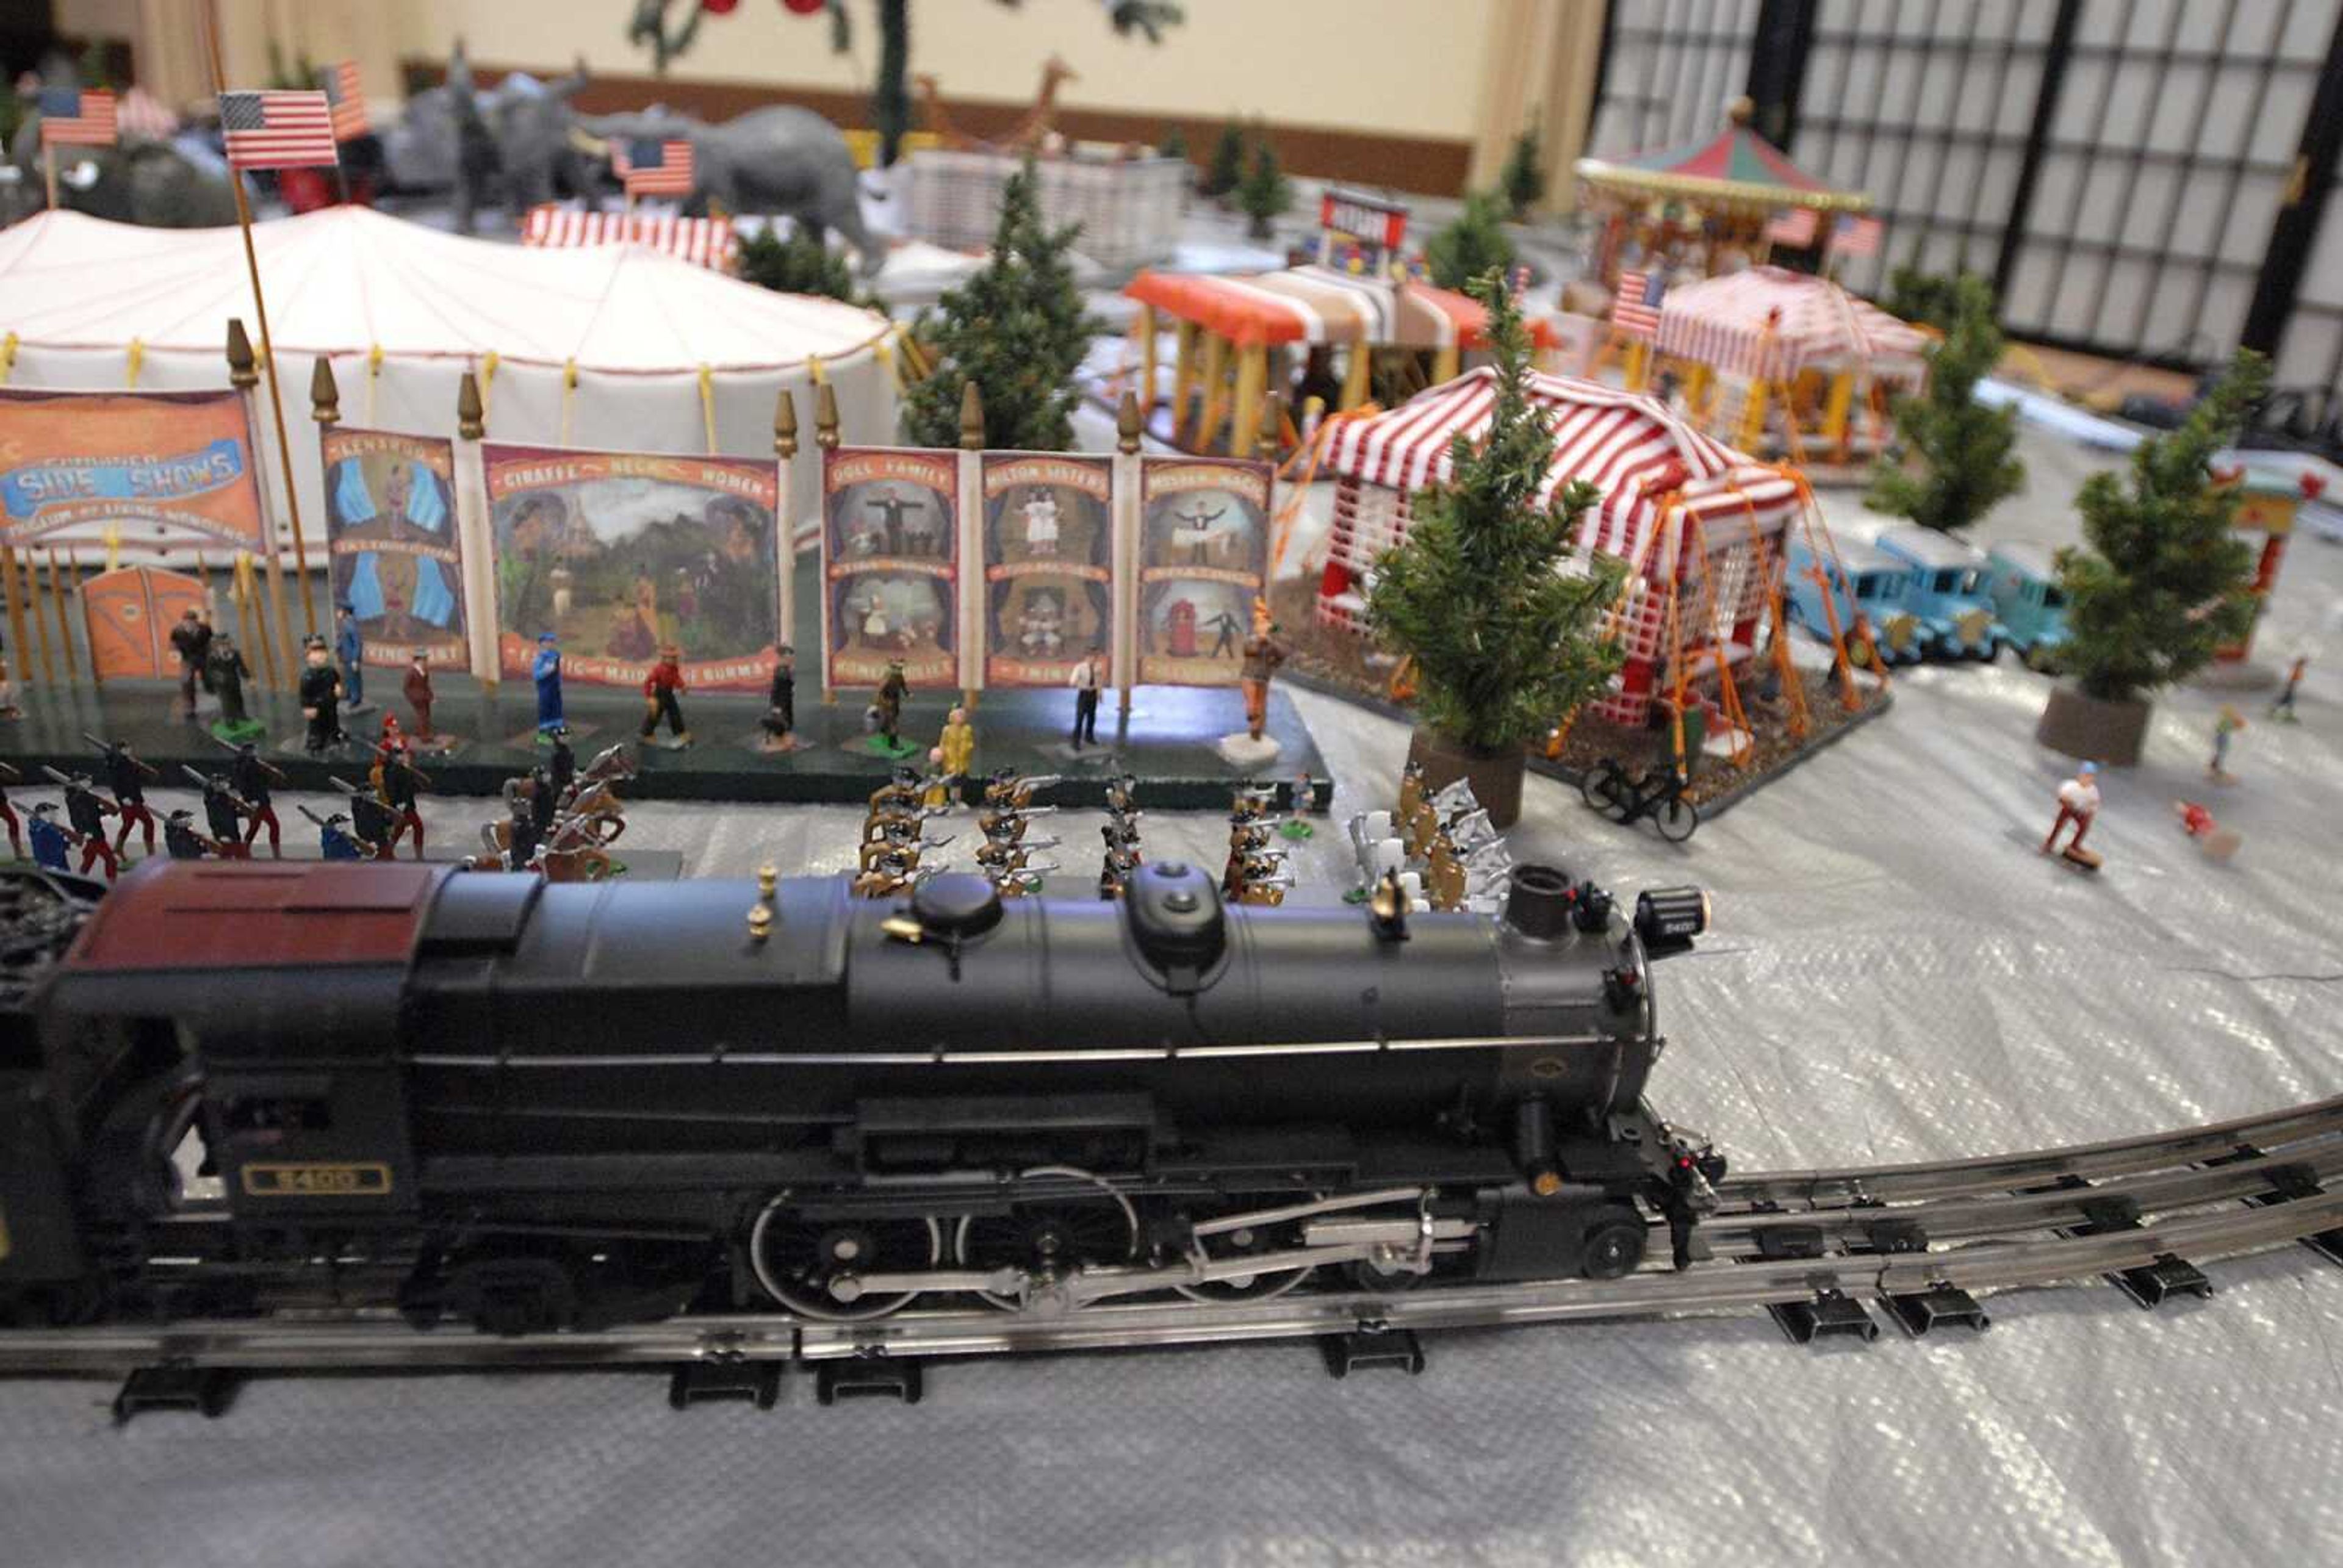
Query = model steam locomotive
x=232 y=1089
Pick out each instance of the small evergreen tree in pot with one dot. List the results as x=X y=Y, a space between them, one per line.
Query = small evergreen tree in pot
x=2163 y=581
x=1523 y=179
x=1265 y=192
x=1225 y=168
x=1964 y=451
x=1485 y=595
x=1472 y=244
x=801 y=264
x=1016 y=328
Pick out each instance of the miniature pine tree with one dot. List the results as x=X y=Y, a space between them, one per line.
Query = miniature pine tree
x=2165 y=581
x=890 y=94
x=1927 y=298
x=1966 y=449
x=1226 y=169
x=1473 y=244
x=1173 y=142
x=1265 y=193
x=1483 y=593
x=801 y=264
x=1016 y=328
x=1523 y=179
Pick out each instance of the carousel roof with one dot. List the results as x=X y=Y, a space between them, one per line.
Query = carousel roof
x=1735 y=167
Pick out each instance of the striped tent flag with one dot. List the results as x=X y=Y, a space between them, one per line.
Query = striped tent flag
x=1635 y=312
x=1793 y=230
x=277 y=129
x=345 y=98
x=78 y=118
x=1856 y=235
x=646 y=165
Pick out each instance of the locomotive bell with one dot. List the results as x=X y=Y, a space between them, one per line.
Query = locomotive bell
x=1176 y=921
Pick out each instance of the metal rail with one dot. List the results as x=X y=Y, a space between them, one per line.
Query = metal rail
x=2261 y=1175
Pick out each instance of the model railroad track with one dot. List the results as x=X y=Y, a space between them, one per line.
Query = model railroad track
x=1814 y=1247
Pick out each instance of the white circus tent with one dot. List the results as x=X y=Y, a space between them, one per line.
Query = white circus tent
x=614 y=347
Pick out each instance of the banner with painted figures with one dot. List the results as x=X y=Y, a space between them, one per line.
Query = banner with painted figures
x=1048 y=566
x=890 y=566
x=1203 y=557
x=82 y=463
x=392 y=545
x=619 y=555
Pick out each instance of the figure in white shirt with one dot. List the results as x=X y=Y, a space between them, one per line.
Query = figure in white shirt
x=2078 y=802
x=1085 y=682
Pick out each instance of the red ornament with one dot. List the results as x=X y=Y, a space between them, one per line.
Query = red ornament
x=803 y=7
x=2313 y=485
x=719 y=7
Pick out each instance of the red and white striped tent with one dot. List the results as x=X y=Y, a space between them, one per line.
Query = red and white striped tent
x=1767 y=323
x=707 y=242
x=1321 y=304
x=1676 y=504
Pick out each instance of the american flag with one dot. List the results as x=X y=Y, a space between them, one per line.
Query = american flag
x=346 y=98
x=1635 y=310
x=75 y=117
x=649 y=166
x=275 y=129
x=1856 y=235
x=1794 y=230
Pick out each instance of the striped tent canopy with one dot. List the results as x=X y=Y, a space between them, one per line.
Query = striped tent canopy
x=1768 y=323
x=1321 y=305
x=703 y=241
x=1630 y=447
x=1735 y=168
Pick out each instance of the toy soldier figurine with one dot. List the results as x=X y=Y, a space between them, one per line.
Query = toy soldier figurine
x=349 y=651
x=526 y=837
x=49 y=840
x=334 y=840
x=87 y=811
x=1085 y=682
x=561 y=765
x=250 y=777
x=224 y=814
x=191 y=640
x=2283 y=708
x=781 y=702
x=181 y=840
x=127 y=776
x=321 y=698
x=372 y=821
x=225 y=673
x=402 y=781
x=8 y=775
x=544 y=800
x=547 y=673
x=1262 y=654
x=889 y=706
x=659 y=691
x=2078 y=802
x=418 y=690
x=2227 y=723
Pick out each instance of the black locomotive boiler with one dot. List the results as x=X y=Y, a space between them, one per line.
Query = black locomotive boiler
x=238 y=1088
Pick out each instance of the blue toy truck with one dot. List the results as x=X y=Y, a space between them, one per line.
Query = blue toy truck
x=1863 y=580
x=2023 y=580
x=1949 y=592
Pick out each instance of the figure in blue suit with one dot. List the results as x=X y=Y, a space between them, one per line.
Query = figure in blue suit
x=49 y=842
x=547 y=670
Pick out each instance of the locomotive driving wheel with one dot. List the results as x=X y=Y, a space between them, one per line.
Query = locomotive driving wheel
x=1085 y=1221
x=796 y=1258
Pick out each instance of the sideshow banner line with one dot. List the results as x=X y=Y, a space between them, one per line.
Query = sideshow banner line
x=1045 y=600
x=1203 y=559
x=890 y=566
x=79 y=463
x=395 y=548
x=620 y=554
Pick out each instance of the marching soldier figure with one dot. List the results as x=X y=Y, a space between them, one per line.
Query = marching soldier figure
x=250 y=777
x=180 y=839
x=402 y=781
x=87 y=811
x=334 y=840
x=127 y=776
x=371 y=818
x=561 y=766
x=223 y=813
x=50 y=841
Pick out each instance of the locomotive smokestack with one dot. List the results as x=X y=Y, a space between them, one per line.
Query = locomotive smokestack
x=1539 y=901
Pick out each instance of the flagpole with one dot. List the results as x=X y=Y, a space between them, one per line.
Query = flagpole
x=268 y=348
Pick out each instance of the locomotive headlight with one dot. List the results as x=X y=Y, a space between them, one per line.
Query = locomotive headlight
x=1668 y=918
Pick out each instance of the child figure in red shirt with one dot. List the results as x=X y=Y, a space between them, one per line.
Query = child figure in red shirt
x=659 y=692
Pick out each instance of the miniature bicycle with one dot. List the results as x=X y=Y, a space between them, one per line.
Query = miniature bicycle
x=1658 y=793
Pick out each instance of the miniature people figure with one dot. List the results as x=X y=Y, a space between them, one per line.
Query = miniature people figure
x=223 y=813
x=49 y=840
x=659 y=690
x=8 y=775
x=891 y=693
x=2078 y=802
x=546 y=671
x=890 y=509
x=957 y=745
x=1085 y=682
x=544 y=800
x=337 y=842
x=372 y=819
x=225 y=673
x=350 y=650
x=418 y=690
x=1040 y=510
x=2227 y=722
x=523 y=838
x=180 y=839
x=2282 y=708
x=1262 y=654
x=1226 y=626
x=191 y=640
x=127 y=776
x=402 y=781
x=321 y=698
x=782 y=701
x=250 y=777
x=561 y=765
x=86 y=811
x=935 y=790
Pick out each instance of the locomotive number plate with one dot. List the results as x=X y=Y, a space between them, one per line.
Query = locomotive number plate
x=317 y=1180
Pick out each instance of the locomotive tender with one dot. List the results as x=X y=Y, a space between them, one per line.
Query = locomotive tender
x=236 y=1087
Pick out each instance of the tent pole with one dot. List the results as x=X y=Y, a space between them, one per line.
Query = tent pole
x=64 y=627
x=15 y=603
x=40 y=621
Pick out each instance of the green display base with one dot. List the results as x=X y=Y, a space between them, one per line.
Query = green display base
x=238 y=734
x=893 y=750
